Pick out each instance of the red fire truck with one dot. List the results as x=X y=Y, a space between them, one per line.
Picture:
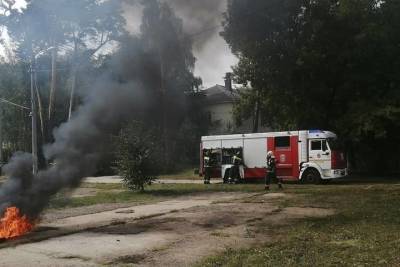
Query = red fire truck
x=308 y=156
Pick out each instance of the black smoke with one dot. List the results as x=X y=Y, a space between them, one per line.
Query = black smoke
x=76 y=150
x=202 y=18
x=203 y=22
x=130 y=89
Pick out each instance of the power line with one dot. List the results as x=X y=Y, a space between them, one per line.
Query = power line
x=13 y=104
x=48 y=70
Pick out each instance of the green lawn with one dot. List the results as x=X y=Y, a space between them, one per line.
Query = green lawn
x=364 y=232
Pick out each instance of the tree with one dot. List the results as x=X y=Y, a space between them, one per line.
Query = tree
x=161 y=59
x=91 y=26
x=163 y=36
x=158 y=59
x=323 y=64
x=137 y=156
x=15 y=130
x=79 y=29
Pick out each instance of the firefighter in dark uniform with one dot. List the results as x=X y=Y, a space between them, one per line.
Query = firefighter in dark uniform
x=271 y=171
x=234 y=176
x=207 y=167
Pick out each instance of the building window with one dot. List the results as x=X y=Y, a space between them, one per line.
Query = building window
x=282 y=142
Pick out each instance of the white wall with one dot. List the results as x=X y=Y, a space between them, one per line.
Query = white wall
x=221 y=118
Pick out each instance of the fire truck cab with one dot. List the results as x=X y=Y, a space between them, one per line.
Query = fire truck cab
x=308 y=156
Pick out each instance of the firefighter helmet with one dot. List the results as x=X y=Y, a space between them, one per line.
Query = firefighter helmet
x=270 y=154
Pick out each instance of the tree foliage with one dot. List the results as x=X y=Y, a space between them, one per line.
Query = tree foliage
x=323 y=64
x=14 y=120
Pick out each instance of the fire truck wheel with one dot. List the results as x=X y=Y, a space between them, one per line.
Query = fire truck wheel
x=312 y=176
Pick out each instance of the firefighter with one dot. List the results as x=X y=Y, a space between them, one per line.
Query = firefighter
x=207 y=167
x=271 y=171
x=234 y=176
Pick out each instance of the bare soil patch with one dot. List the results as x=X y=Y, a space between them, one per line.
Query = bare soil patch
x=179 y=237
x=203 y=231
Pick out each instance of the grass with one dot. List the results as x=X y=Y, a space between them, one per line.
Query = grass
x=187 y=174
x=116 y=193
x=102 y=198
x=365 y=231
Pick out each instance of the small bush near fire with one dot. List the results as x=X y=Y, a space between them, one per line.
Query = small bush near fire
x=137 y=156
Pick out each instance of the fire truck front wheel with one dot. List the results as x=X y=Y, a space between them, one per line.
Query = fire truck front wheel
x=311 y=176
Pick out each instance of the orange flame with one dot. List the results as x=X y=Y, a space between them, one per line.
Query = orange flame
x=13 y=224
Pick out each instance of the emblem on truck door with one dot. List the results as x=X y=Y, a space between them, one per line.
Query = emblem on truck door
x=282 y=158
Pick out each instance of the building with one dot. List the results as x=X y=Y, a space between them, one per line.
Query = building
x=218 y=103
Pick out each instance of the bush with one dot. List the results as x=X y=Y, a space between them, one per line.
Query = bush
x=137 y=156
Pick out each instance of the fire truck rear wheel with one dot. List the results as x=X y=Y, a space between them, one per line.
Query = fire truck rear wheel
x=312 y=176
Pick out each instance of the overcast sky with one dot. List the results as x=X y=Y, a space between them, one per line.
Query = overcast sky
x=202 y=18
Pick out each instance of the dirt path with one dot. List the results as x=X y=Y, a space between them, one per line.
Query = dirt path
x=170 y=233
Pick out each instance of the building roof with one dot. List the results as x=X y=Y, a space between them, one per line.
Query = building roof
x=218 y=94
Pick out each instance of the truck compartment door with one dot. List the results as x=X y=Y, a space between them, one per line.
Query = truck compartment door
x=286 y=151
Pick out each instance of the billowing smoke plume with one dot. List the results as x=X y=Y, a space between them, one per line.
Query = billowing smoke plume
x=78 y=143
x=202 y=18
x=76 y=150
x=203 y=21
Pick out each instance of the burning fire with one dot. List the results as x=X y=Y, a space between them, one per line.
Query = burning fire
x=13 y=224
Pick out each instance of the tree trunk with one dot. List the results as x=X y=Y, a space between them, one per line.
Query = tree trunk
x=41 y=113
x=256 y=119
x=1 y=136
x=329 y=107
x=53 y=85
x=72 y=95
x=73 y=80
x=164 y=130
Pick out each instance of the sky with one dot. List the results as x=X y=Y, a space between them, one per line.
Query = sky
x=202 y=19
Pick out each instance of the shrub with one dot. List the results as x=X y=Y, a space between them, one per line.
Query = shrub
x=137 y=156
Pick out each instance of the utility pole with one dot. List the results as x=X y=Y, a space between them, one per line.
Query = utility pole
x=34 y=122
x=33 y=110
x=1 y=137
